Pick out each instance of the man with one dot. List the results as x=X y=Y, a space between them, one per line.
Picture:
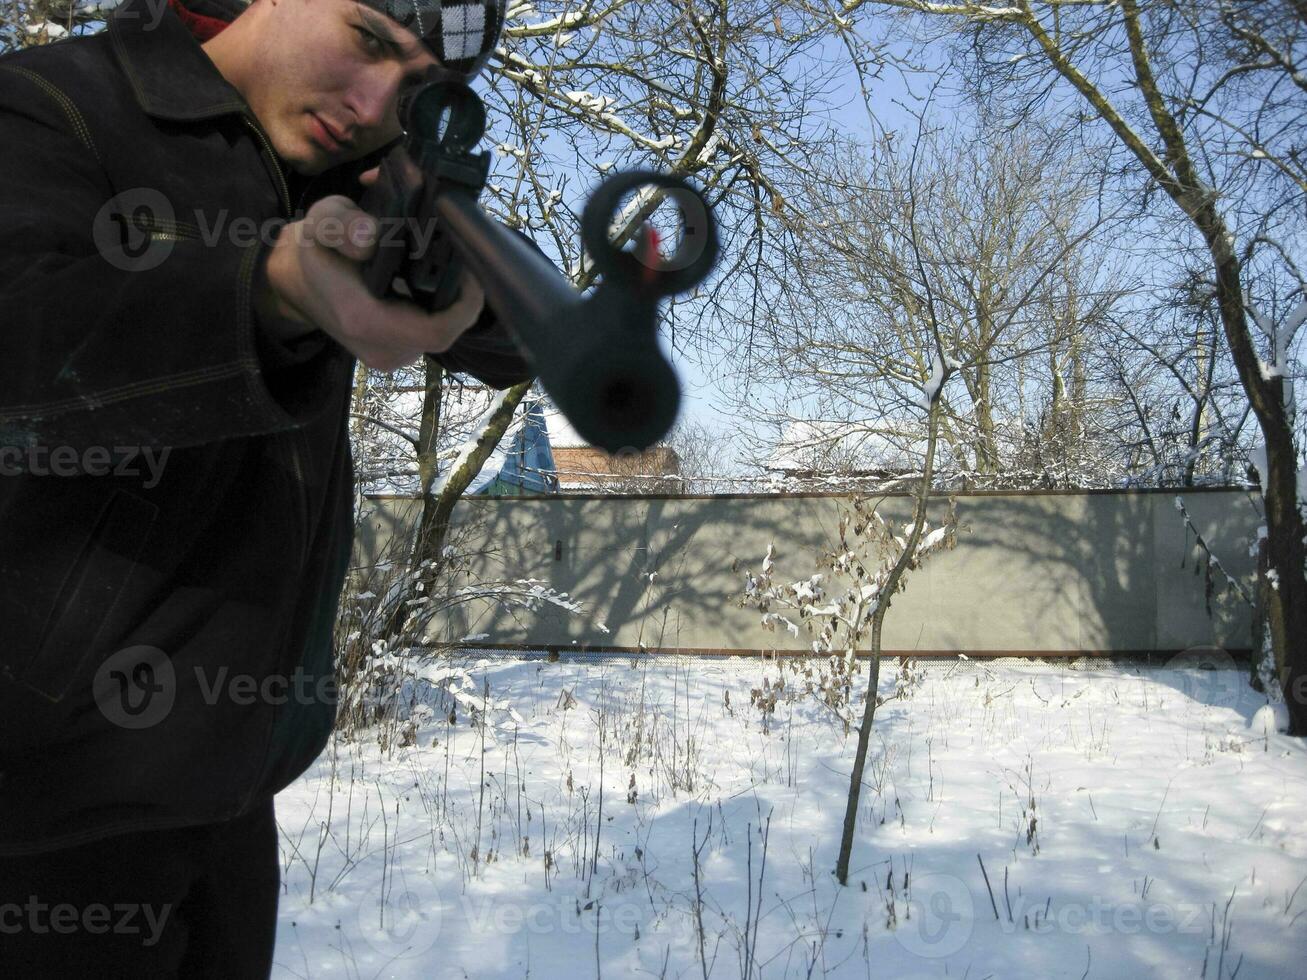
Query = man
x=175 y=478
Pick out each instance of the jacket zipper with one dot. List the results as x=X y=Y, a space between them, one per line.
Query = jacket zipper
x=257 y=130
x=301 y=485
x=291 y=438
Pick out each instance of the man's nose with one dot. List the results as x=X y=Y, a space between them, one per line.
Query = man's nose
x=374 y=103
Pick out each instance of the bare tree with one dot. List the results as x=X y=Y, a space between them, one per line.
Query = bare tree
x=26 y=23
x=1205 y=103
x=984 y=231
x=1179 y=416
x=706 y=457
x=869 y=551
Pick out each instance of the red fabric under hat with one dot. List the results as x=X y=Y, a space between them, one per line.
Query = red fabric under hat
x=202 y=27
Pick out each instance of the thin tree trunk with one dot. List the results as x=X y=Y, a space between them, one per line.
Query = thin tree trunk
x=438 y=504
x=429 y=428
x=877 y=621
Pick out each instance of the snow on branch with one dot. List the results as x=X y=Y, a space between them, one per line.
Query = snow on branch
x=867 y=553
x=1280 y=337
x=572 y=20
x=1212 y=561
x=944 y=365
x=469 y=449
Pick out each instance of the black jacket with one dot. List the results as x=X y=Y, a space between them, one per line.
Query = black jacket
x=122 y=330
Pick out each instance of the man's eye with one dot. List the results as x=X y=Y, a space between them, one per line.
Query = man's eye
x=370 y=40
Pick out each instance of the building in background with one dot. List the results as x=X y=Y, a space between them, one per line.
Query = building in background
x=526 y=466
x=581 y=468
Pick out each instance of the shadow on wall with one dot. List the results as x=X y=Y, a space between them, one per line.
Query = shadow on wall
x=1111 y=572
x=648 y=571
x=1050 y=572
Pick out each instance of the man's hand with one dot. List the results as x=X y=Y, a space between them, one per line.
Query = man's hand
x=313 y=282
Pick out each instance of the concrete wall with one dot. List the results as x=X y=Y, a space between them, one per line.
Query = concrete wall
x=1032 y=572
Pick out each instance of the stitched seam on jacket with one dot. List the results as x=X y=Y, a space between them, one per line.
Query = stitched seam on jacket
x=64 y=102
x=107 y=397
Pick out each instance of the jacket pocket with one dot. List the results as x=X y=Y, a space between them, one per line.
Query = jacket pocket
x=88 y=594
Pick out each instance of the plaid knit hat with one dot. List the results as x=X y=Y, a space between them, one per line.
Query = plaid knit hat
x=461 y=33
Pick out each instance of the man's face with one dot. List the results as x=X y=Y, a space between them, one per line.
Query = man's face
x=328 y=80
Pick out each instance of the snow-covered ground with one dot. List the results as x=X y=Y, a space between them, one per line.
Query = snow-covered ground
x=1132 y=822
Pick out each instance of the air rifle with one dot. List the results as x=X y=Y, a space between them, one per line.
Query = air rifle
x=597 y=354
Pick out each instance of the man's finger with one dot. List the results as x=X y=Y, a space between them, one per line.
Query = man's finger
x=339 y=224
x=407 y=327
x=450 y=323
x=471 y=300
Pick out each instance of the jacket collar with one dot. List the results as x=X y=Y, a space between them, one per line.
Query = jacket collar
x=169 y=72
x=174 y=79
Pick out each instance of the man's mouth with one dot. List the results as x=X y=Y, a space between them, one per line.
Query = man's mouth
x=327 y=136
